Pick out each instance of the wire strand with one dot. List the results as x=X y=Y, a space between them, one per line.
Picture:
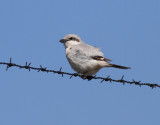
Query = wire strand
x=107 y=79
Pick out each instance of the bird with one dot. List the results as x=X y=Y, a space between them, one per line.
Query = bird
x=84 y=58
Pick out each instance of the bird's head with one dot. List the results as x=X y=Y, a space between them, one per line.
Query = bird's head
x=71 y=40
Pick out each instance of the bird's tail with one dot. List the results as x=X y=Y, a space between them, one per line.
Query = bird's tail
x=118 y=66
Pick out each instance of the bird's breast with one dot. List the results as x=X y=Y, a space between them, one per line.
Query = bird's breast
x=68 y=51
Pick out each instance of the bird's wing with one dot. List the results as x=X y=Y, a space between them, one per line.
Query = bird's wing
x=100 y=58
x=92 y=52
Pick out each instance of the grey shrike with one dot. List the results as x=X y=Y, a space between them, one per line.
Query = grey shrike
x=83 y=58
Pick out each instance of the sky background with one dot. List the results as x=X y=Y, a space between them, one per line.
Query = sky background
x=127 y=31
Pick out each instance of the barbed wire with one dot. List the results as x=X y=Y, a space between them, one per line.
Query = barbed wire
x=107 y=79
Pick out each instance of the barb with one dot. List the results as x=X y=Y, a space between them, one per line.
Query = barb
x=107 y=79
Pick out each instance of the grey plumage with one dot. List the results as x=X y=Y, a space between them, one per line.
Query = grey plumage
x=84 y=58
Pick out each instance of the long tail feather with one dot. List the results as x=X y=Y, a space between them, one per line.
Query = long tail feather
x=118 y=66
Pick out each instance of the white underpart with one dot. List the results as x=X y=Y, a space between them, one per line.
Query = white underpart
x=80 y=60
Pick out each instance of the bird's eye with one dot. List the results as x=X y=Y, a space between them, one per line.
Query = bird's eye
x=71 y=38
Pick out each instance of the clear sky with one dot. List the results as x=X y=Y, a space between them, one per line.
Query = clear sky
x=127 y=31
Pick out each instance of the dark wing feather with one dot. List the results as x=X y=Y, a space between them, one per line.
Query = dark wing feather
x=100 y=58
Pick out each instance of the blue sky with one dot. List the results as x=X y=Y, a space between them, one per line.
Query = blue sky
x=127 y=31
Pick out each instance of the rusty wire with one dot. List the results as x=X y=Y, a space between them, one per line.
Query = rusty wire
x=107 y=79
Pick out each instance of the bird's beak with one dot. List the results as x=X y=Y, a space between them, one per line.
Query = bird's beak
x=63 y=40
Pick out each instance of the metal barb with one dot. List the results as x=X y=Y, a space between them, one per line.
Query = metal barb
x=124 y=82
x=122 y=77
x=26 y=64
x=7 y=68
x=60 y=69
x=71 y=76
x=29 y=64
x=10 y=60
x=102 y=80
